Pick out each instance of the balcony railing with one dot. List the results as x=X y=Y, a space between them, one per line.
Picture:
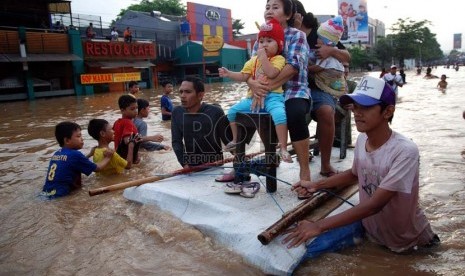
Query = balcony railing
x=38 y=41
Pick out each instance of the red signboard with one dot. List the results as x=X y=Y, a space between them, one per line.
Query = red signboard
x=94 y=49
x=107 y=78
x=96 y=78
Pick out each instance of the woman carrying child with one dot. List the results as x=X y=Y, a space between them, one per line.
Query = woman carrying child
x=265 y=65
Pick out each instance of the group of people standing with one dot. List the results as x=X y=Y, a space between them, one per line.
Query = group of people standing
x=388 y=211
x=386 y=163
x=114 y=34
x=310 y=72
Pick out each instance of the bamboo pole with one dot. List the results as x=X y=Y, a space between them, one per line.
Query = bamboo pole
x=149 y=179
x=298 y=213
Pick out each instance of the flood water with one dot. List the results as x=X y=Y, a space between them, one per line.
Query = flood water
x=107 y=234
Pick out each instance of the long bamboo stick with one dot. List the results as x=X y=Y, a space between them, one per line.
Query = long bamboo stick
x=149 y=179
x=296 y=214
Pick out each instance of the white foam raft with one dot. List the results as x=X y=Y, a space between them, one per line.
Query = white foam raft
x=232 y=220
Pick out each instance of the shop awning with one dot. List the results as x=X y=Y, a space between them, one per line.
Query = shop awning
x=119 y=64
x=196 y=63
x=38 y=57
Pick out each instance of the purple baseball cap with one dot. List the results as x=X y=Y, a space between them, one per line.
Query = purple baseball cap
x=370 y=91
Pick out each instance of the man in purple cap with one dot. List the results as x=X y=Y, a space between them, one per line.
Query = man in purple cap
x=386 y=167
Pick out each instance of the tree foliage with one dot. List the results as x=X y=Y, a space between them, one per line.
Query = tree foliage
x=409 y=40
x=362 y=58
x=237 y=26
x=169 y=7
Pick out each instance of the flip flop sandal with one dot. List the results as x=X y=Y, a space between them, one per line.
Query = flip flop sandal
x=229 y=147
x=250 y=189
x=232 y=188
x=225 y=178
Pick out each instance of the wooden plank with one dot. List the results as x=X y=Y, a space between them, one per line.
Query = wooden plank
x=332 y=203
x=313 y=208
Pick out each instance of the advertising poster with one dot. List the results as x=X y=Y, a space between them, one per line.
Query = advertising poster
x=355 y=18
x=209 y=21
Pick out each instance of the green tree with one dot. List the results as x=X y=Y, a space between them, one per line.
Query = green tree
x=169 y=7
x=411 y=39
x=360 y=57
x=383 y=51
x=237 y=26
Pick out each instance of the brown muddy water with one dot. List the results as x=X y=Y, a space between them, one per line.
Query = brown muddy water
x=109 y=235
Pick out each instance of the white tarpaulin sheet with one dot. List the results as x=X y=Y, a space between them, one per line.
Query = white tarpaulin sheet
x=232 y=220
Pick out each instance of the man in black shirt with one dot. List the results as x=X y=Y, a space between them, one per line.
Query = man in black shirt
x=198 y=128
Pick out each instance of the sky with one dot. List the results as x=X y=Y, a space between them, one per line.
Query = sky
x=444 y=15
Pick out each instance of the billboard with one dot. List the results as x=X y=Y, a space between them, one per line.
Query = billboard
x=209 y=21
x=457 y=41
x=355 y=19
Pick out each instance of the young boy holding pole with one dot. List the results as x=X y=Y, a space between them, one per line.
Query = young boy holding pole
x=386 y=166
x=68 y=163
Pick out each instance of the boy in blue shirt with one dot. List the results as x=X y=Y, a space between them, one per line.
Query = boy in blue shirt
x=148 y=142
x=67 y=164
x=165 y=102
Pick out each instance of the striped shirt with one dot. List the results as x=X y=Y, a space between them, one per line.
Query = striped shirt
x=296 y=51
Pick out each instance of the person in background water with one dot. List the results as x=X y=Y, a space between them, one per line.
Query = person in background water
x=101 y=130
x=68 y=163
x=429 y=75
x=386 y=168
x=198 y=128
x=147 y=142
x=133 y=87
x=402 y=75
x=393 y=79
x=383 y=72
x=165 y=101
x=442 y=84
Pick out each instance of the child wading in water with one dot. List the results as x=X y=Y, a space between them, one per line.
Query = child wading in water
x=442 y=84
x=101 y=131
x=127 y=139
x=265 y=65
x=68 y=163
x=165 y=101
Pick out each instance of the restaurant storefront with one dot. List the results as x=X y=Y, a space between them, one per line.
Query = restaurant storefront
x=110 y=65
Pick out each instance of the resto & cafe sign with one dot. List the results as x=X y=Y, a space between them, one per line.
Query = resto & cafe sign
x=97 y=49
